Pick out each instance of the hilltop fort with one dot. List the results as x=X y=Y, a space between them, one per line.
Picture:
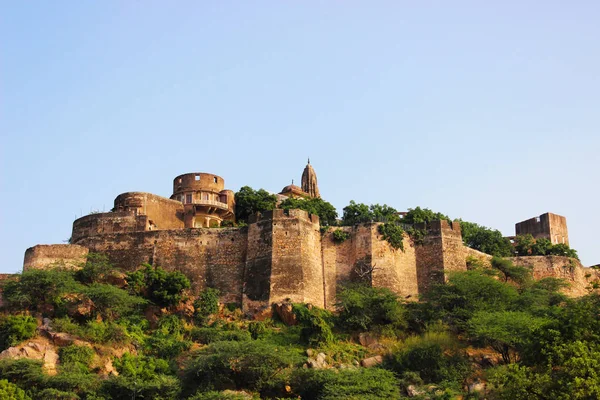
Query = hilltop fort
x=280 y=255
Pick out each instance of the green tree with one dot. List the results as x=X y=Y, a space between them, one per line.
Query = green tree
x=486 y=240
x=95 y=268
x=515 y=273
x=250 y=365
x=206 y=305
x=356 y=213
x=316 y=324
x=10 y=391
x=161 y=287
x=249 y=201
x=362 y=308
x=110 y=302
x=524 y=244
x=326 y=211
x=16 y=328
x=419 y=215
x=507 y=332
x=384 y=213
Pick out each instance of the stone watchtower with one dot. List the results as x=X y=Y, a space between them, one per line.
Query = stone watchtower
x=206 y=202
x=548 y=225
x=309 y=181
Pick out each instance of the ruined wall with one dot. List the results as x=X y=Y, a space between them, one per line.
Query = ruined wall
x=162 y=213
x=208 y=257
x=105 y=223
x=483 y=258
x=47 y=255
x=578 y=277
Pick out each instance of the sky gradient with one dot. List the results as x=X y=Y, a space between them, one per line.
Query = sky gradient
x=486 y=112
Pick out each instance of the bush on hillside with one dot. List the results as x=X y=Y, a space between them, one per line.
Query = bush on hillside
x=16 y=328
x=163 y=288
x=363 y=308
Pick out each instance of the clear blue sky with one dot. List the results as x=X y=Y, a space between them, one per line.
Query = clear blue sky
x=488 y=112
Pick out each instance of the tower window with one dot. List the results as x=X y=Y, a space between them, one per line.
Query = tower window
x=215 y=178
x=188 y=198
x=197 y=177
x=179 y=180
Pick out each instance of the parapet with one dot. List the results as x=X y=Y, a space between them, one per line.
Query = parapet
x=48 y=255
x=195 y=181
x=281 y=214
x=439 y=226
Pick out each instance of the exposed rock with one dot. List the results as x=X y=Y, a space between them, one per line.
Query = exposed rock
x=286 y=313
x=412 y=391
x=11 y=352
x=310 y=352
x=62 y=339
x=50 y=361
x=116 y=278
x=476 y=386
x=321 y=357
x=366 y=339
x=371 y=361
x=317 y=363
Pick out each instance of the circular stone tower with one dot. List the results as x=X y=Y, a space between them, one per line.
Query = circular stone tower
x=205 y=200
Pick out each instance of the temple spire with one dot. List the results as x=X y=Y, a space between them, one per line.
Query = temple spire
x=309 y=181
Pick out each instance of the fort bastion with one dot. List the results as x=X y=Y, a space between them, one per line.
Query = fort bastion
x=280 y=255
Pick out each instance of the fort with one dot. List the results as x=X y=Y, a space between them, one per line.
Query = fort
x=280 y=255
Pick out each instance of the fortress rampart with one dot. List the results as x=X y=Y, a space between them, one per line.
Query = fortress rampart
x=281 y=255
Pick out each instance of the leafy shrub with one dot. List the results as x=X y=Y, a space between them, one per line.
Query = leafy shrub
x=507 y=332
x=363 y=383
x=362 y=308
x=161 y=287
x=211 y=335
x=55 y=394
x=111 y=302
x=75 y=357
x=161 y=387
x=15 y=329
x=206 y=304
x=37 y=288
x=340 y=236
x=434 y=356
x=315 y=205
x=249 y=201
x=167 y=341
x=105 y=332
x=316 y=324
x=95 y=268
x=141 y=367
x=486 y=240
x=257 y=329
x=10 y=391
x=212 y=395
x=394 y=234
x=249 y=364
x=466 y=293
x=515 y=273
x=23 y=372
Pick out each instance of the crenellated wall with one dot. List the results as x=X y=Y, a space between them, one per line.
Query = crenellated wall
x=282 y=256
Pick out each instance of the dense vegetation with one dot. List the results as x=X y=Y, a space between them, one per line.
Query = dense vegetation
x=523 y=338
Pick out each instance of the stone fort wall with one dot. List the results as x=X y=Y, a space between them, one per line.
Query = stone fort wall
x=280 y=256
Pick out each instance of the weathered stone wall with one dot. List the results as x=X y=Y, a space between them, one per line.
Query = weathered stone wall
x=395 y=269
x=578 y=277
x=259 y=256
x=162 y=213
x=105 y=223
x=47 y=255
x=548 y=225
x=208 y=257
x=483 y=258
